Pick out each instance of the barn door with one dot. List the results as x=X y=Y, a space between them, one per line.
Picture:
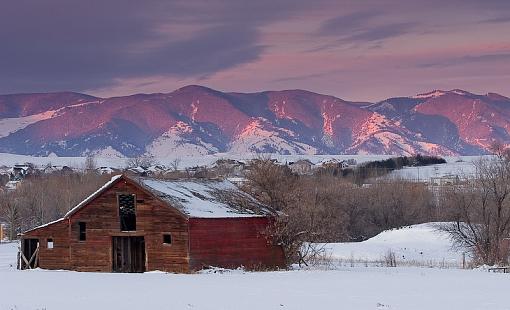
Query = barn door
x=29 y=248
x=128 y=254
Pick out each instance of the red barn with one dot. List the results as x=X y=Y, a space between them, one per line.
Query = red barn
x=137 y=225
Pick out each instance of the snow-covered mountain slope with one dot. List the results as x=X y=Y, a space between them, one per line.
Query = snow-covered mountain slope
x=196 y=120
x=11 y=125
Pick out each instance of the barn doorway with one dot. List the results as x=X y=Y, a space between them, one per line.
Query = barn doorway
x=128 y=254
x=29 y=253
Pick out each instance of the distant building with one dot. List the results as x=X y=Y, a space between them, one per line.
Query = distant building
x=302 y=166
x=19 y=172
x=106 y=170
x=445 y=180
x=228 y=167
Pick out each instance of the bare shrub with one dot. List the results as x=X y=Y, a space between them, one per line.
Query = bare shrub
x=390 y=259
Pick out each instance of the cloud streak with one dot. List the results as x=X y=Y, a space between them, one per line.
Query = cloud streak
x=61 y=44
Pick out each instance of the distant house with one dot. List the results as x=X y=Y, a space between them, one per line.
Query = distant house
x=228 y=167
x=445 y=180
x=138 y=171
x=303 y=166
x=336 y=164
x=106 y=170
x=144 y=224
x=19 y=172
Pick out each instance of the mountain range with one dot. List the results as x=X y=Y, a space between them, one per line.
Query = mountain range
x=196 y=120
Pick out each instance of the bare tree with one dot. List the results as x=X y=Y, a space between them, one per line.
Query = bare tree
x=397 y=203
x=174 y=164
x=90 y=163
x=144 y=161
x=43 y=198
x=270 y=183
x=10 y=212
x=304 y=216
x=481 y=211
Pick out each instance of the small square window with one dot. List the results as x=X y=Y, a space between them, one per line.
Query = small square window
x=50 y=243
x=167 y=239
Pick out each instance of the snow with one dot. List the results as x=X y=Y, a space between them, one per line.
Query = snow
x=108 y=152
x=11 y=125
x=454 y=167
x=172 y=144
x=259 y=134
x=197 y=198
x=357 y=288
x=417 y=245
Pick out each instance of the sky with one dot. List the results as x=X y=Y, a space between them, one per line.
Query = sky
x=363 y=50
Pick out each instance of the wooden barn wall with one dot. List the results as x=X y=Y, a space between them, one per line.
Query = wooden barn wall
x=153 y=219
x=231 y=243
x=58 y=257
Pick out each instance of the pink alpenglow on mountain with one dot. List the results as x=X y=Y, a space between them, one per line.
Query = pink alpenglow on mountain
x=196 y=120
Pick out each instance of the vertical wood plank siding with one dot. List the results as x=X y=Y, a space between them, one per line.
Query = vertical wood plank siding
x=232 y=242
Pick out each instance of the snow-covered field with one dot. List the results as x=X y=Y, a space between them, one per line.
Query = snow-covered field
x=417 y=245
x=462 y=167
x=350 y=288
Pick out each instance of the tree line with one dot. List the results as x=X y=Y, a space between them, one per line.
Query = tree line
x=42 y=198
x=326 y=208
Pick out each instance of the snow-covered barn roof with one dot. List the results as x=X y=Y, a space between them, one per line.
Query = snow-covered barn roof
x=198 y=198
x=205 y=198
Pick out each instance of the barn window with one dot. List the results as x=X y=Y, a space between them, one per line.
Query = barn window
x=50 y=243
x=127 y=212
x=167 y=239
x=83 y=231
